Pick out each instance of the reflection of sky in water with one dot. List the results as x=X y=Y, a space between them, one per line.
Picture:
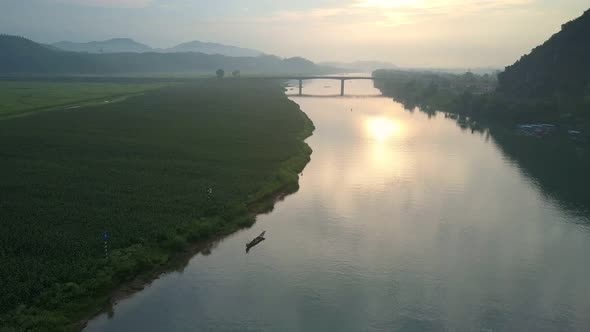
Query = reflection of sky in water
x=401 y=223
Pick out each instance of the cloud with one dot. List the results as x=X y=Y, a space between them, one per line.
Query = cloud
x=109 y=3
x=448 y=5
x=396 y=12
x=411 y=32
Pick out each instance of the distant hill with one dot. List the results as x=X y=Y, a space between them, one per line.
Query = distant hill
x=18 y=54
x=360 y=66
x=559 y=67
x=458 y=70
x=14 y=46
x=213 y=48
x=127 y=45
x=117 y=45
x=22 y=56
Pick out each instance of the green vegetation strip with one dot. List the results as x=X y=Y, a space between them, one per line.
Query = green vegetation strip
x=476 y=97
x=18 y=98
x=141 y=169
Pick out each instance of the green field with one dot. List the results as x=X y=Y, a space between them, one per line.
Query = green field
x=140 y=169
x=22 y=97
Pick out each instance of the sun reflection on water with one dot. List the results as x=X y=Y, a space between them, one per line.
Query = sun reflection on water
x=382 y=129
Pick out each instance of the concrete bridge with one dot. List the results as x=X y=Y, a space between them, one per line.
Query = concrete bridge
x=342 y=79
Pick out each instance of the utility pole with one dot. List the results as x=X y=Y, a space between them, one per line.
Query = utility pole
x=105 y=237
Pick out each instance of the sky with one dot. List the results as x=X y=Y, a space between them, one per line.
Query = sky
x=408 y=33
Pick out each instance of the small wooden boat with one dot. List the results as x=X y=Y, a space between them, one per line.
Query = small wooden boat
x=256 y=241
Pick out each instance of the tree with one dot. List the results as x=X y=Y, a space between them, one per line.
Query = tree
x=236 y=73
x=220 y=73
x=469 y=77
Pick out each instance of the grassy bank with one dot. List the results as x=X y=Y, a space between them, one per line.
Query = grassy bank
x=24 y=97
x=140 y=169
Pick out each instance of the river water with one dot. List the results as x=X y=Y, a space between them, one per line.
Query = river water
x=403 y=221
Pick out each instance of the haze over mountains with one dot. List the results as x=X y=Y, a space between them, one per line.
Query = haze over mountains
x=214 y=48
x=125 y=45
x=115 y=45
x=128 y=45
x=362 y=66
x=559 y=67
x=22 y=56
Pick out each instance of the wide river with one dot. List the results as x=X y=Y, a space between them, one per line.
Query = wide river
x=403 y=222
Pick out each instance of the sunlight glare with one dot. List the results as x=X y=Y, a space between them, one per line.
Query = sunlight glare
x=381 y=129
x=386 y=3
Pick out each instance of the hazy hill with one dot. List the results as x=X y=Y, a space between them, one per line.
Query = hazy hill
x=117 y=45
x=127 y=45
x=22 y=56
x=18 y=54
x=360 y=66
x=20 y=46
x=213 y=48
x=559 y=67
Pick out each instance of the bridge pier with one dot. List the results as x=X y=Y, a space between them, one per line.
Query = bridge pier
x=300 y=87
x=342 y=87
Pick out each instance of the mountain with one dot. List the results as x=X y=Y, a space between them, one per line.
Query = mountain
x=213 y=48
x=116 y=45
x=127 y=45
x=18 y=54
x=15 y=46
x=360 y=66
x=22 y=56
x=559 y=67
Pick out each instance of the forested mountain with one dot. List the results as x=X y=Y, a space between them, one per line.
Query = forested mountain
x=127 y=45
x=22 y=56
x=559 y=67
x=117 y=45
x=550 y=85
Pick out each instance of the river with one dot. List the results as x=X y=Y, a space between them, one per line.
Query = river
x=403 y=221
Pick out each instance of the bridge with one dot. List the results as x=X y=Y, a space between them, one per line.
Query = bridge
x=342 y=79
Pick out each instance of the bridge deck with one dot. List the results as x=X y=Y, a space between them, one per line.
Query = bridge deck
x=342 y=79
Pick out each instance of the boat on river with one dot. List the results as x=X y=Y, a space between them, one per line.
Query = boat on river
x=256 y=241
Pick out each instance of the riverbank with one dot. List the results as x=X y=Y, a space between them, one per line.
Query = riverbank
x=176 y=262
x=474 y=97
x=160 y=173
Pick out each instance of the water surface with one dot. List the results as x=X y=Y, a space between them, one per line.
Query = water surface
x=403 y=222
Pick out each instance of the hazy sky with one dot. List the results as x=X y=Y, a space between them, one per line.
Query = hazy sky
x=426 y=33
